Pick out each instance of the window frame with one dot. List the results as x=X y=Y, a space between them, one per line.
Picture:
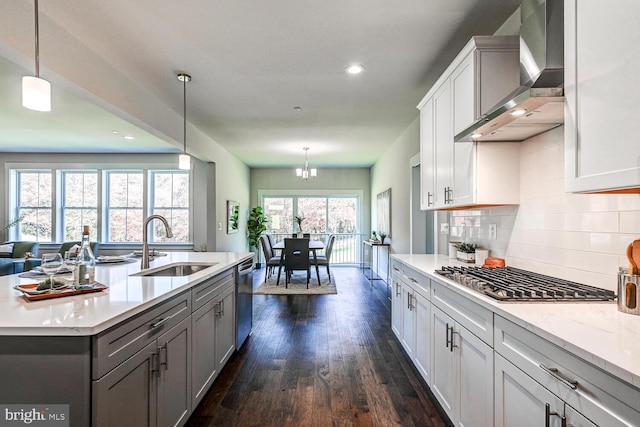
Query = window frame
x=327 y=194
x=14 y=168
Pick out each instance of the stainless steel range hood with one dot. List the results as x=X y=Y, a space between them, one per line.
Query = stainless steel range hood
x=540 y=97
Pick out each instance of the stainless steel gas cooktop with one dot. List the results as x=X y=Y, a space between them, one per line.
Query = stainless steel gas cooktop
x=513 y=284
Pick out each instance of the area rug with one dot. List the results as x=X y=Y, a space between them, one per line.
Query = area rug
x=298 y=285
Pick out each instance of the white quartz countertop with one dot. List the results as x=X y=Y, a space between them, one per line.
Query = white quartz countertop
x=595 y=331
x=89 y=314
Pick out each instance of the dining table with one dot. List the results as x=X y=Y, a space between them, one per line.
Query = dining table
x=314 y=246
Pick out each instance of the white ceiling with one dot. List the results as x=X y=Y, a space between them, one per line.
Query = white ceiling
x=252 y=62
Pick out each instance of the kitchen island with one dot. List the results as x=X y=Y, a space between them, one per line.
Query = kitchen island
x=578 y=357
x=142 y=352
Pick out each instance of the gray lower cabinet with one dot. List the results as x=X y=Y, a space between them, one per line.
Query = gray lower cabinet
x=213 y=334
x=153 y=387
x=154 y=368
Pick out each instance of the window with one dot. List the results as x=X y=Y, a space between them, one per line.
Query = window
x=80 y=207
x=323 y=215
x=34 y=205
x=54 y=205
x=171 y=200
x=125 y=206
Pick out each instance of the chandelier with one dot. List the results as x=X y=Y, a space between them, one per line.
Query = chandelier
x=306 y=173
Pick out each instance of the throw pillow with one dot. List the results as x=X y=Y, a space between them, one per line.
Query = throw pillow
x=6 y=250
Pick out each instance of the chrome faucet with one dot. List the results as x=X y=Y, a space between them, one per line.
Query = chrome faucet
x=145 y=244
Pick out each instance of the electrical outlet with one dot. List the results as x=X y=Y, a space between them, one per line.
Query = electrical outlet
x=444 y=228
x=219 y=226
x=493 y=231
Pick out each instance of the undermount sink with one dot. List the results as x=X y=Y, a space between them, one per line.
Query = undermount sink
x=176 y=270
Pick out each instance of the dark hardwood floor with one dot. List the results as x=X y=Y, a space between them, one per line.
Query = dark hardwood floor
x=320 y=360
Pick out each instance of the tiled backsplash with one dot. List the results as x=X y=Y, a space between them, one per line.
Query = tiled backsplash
x=580 y=237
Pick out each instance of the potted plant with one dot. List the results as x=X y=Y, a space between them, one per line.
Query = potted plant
x=299 y=218
x=383 y=236
x=374 y=236
x=255 y=227
x=466 y=252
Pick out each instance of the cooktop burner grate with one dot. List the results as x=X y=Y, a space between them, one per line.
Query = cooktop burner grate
x=513 y=284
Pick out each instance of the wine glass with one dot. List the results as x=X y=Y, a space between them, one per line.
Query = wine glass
x=51 y=264
x=70 y=263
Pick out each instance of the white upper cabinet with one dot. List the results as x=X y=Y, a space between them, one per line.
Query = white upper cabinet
x=456 y=175
x=602 y=152
x=489 y=69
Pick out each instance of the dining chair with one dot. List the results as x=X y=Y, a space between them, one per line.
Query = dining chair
x=270 y=260
x=325 y=259
x=295 y=257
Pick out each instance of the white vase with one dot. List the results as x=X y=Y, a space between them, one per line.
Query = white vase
x=466 y=257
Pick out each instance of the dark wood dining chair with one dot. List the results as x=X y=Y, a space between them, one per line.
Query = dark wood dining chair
x=326 y=258
x=295 y=256
x=271 y=261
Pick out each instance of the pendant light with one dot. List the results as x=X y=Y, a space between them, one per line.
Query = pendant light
x=306 y=173
x=184 y=160
x=36 y=92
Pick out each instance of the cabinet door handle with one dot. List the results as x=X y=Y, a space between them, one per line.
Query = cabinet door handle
x=397 y=289
x=163 y=350
x=547 y=416
x=446 y=193
x=572 y=384
x=218 y=309
x=222 y=309
x=154 y=363
x=447 y=342
x=450 y=343
x=429 y=197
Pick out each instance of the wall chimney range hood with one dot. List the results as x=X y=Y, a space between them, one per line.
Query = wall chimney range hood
x=538 y=104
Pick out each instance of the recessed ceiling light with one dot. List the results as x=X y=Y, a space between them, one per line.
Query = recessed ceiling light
x=354 y=69
x=297 y=108
x=129 y=137
x=518 y=112
x=115 y=132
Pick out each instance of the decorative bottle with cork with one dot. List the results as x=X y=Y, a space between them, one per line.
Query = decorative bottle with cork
x=85 y=272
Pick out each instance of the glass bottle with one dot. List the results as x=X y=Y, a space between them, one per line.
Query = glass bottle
x=85 y=272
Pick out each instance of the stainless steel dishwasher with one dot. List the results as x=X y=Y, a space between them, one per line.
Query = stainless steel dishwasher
x=244 y=301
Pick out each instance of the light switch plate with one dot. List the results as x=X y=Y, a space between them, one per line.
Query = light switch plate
x=444 y=228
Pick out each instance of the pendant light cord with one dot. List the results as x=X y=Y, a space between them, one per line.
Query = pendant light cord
x=35 y=2
x=184 y=85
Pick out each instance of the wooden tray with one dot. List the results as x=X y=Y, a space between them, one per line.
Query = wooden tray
x=56 y=293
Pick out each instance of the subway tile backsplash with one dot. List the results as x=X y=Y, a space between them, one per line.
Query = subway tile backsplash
x=580 y=237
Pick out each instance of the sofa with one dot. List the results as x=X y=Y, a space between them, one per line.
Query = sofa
x=12 y=256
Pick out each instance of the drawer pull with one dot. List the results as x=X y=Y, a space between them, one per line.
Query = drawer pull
x=547 y=416
x=413 y=280
x=396 y=269
x=158 y=322
x=554 y=373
